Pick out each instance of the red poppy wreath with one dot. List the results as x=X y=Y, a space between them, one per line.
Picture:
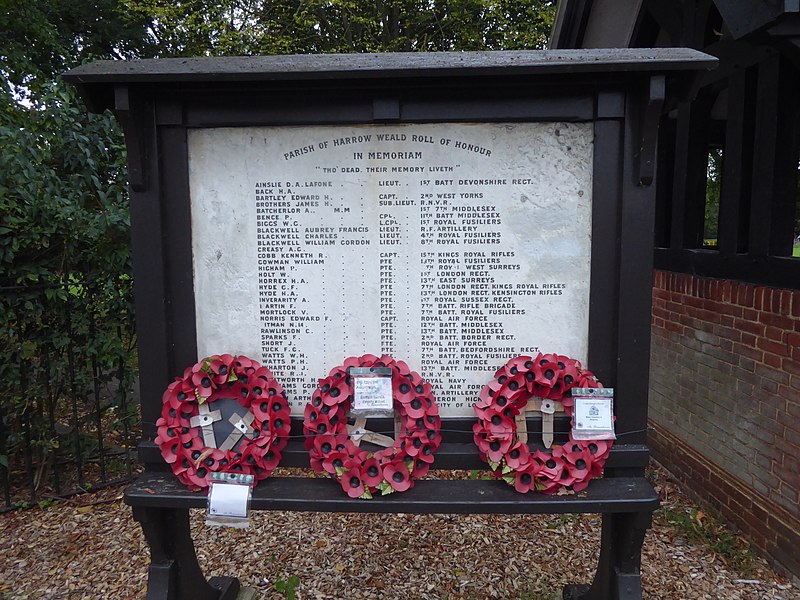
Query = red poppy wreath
x=227 y=413
x=547 y=376
x=360 y=472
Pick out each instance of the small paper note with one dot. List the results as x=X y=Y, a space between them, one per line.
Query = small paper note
x=228 y=500
x=372 y=393
x=594 y=414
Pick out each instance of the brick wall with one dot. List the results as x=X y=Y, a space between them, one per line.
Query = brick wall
x=725 y=401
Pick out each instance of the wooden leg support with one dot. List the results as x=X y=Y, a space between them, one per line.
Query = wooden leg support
x=174 y=572
x=618 y=575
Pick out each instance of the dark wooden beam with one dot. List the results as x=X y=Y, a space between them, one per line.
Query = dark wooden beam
x=774 y=159
x=737 y=160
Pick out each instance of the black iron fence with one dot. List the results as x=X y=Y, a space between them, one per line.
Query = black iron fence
x=69 y=419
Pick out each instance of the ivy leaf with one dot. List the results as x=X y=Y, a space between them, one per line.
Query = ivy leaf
x=510 y=479
x=367 y=495
x=494 y=465
x=507 y=469
x=340 y=471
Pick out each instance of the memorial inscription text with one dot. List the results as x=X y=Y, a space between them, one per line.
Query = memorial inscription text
x=452 y=246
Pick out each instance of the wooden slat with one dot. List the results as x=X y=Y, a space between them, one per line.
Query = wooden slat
x=610 y=495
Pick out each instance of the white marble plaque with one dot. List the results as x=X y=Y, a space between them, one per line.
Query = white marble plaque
x=454 y=247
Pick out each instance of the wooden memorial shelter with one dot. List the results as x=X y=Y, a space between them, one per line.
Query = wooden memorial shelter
x=724 y=396
x=433 y=185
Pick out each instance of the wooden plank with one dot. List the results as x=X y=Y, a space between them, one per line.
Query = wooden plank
x=451 y=455
x=775 y=271
x=604 y=293
x=635 y=283
x=689 y=181
x=147 y=236
x=774 y=160
x=609 y=495
x=737 y=161
x=388 y=65
x=179 y=270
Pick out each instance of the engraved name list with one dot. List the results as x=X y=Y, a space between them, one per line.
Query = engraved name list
x=452 y=246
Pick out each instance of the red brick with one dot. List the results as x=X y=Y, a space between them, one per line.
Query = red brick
x=708 y=315
x=758 y=299
x=775 y=301
x=676 y=327
x=775 y=334
x=775 y=320
x=728 y=294
x=750 y=327
x=693 y=301
x=748 y=339
x=773 y=361
x=750 y=314
x=774 y=347
x=748 y=351
x=745 y=295
x=786 y=302
x=791 y=366
x=727 y=332
x=796 y=304
x=793 y=339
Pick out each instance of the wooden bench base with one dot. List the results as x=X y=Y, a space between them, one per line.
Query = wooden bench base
x=161 y=505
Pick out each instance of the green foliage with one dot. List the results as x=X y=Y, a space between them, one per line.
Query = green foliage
x=699 y=527
x=288 y=586
x=66 y=323
x=64 y=251
x=713 y=189
x=249 y=27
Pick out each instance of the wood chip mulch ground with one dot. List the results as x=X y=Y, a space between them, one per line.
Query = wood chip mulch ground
x=89 y=547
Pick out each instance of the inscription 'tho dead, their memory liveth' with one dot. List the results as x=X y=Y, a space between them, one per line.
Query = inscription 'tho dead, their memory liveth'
x=454 y=247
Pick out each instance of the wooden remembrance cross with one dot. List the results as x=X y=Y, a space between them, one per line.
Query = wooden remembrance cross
x=454 y=210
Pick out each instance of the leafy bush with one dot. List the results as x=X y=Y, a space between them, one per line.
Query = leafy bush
x=66 y=325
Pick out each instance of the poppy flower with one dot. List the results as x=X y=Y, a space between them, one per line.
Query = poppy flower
x=599 y=449
x=220 y=369
x=270 y=460
x=551 y=466
x=493 y=448
x=546 y=374
x=414 y=445
x=403 y=390
x=518 y=456
x=371 y=471
x=417 y=407
x=353 y=482
x=579 y=464
x=420 y=468
x=487 y=393
x=498 y=425
x=245 y=364
x=169 y=442
x=324 y=445
x=334 y=460
x=179 y=393
x=525 y=480
x=396 y=473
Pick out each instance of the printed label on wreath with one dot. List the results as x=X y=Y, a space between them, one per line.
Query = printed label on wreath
x=372 y=393
x=593 y=414
x=228 y=499
x=457 y=245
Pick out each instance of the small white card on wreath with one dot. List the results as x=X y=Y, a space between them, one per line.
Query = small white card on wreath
x=593 y=414
x=372 y=391
x=229 y=499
